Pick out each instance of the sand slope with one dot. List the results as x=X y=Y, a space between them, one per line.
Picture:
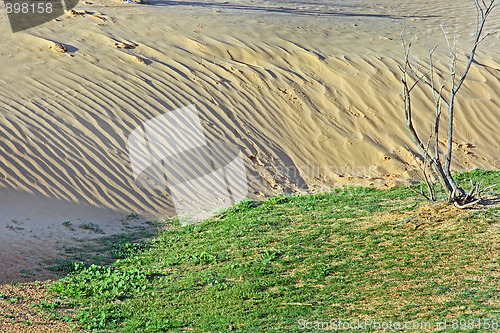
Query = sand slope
x=308 y=91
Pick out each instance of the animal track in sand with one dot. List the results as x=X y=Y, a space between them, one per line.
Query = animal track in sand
x=122 y=45
x=140 y=60
x=59 y=48
x=74 y=13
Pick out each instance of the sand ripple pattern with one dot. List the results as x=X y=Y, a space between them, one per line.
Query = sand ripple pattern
x=309 y=105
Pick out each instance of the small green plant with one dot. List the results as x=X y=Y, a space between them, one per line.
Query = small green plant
x=105 y=283
x=68 y=225
x=124 y=250
x=131 y=216
x=106 y=287
x=92 y=227
x=14 y=299
x=61 y=265
x=44 y=305
x=203 y=258
x=156 y=223
x=14 y=221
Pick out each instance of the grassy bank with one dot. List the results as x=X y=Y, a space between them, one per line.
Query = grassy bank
x=354 y=253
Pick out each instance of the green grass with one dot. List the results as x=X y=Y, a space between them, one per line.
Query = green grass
x=354 y=253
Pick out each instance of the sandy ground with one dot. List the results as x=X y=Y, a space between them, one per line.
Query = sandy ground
x=309 y=91
x=18 y=314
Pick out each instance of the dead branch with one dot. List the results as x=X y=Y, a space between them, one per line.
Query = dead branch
x=444 y=94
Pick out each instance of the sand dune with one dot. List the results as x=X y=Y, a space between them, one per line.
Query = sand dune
x=309 y=92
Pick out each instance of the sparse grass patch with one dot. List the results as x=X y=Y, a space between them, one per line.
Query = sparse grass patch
x=91 y=227
x=101 y=251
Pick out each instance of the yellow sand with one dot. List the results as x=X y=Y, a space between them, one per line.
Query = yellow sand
x=309 y=93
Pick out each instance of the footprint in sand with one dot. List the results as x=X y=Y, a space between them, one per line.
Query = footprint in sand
x=59 y=48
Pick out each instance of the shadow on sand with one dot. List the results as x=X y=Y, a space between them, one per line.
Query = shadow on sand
x=278 y=9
